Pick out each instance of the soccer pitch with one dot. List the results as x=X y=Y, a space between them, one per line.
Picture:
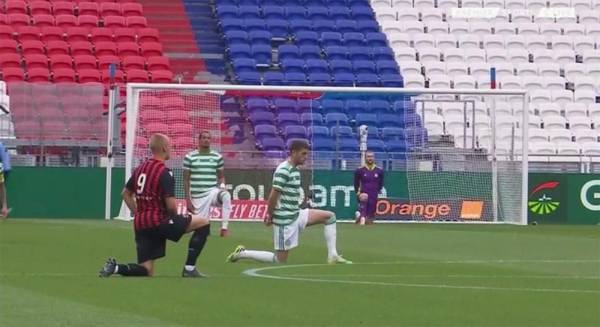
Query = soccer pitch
x=404 y=275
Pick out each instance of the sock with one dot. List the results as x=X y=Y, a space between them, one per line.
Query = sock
x=131 y=269
x=196 y=244
x=362 y=208
x=260 y=256
x=331 y=237
x=225 y=209
x=189 y=268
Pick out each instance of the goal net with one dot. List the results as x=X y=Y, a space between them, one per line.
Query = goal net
x=448 y=155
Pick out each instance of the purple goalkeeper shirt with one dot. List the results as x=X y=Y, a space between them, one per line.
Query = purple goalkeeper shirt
x=367 y=180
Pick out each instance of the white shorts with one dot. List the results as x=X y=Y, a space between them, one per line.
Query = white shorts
x=202 y=205
x=286 y=237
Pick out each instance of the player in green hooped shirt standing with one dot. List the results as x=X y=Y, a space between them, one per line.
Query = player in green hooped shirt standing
x=287 y=218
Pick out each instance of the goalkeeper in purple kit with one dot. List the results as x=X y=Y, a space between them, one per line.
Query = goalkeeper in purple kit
x=368 y=182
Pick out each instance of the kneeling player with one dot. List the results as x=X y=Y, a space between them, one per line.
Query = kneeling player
x=368 y=182
x=150 y=194
x=287 y=218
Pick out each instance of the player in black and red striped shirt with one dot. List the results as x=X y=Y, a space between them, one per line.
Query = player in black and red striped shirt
x=150 y=195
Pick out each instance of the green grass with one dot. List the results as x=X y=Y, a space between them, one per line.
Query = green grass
x=419 y=275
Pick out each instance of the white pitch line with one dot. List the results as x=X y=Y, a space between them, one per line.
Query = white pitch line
x=257 y=272
x=448 y=276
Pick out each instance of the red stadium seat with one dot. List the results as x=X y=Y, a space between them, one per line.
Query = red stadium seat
x=36 y=61
x=32 y=47
x=128 y=49
x=89 y=76
x=119 y=76
x=87 y=21
x=85 y=62
x=81 y=48
x=158 y=63
x=151 y=49
x=133 y=62
x=102 y=34
x=148 y=35
x=154 y=128
x=137 y=22
x=6 y=32
x=28 y=33
x=13 y=74
x=77 y=34
x=105 y=61
x=137 y=76
x=152 y=116
x=8 y=46
x=181 y=130
x=177 y=116
x=114 y=21
x=40 y=8
x=65 y=21
x=18 y=20
x=52 y=33
x=64 y=75
x=63 y=8
x=162 y=76
x=125 y=34
x=61 y=61
x=3 y=19
x=110 y=9
x=38 y=75
x=132 y=9
x=10 y=60
x=15 y=7
x=57 y=47
x=43 y=20
x=89 y=8
x=105 y=48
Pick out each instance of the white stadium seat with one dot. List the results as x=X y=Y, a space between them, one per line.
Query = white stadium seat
x=564 y=56
x=431 y=14
x=405 y=54
x=587 y=83
x=445 y=41
x=547 y=109
x=580 y=123
x=423 y=3
x=422 y=40
x=434 y=68
x=594 y=111
x=439 y=81
x=521 y=16
x=537 y=42
x=554 y=83
x=532 y=82
x=408 y=14
x=592 y=29
x=437 y=28
x=459 y=27
x=447 y=4
x=497 y=56
x=583 y=136
x=585 y=96
x=555 y=122
x=511 y=82
x=414 y=80
x=574 y=70
x=549 y=69
x=429 y=54
x=560 y=42
x=535 y=4
x=540 y=96
x=560 y=136
x=464 y=82
x=410 y=67
x=518 y=55
x=456 y=68
x=562 y=97
x=589 y=17
x=575 y=110
x=537 y=135
x=475 y=55
x=504 y=29
x=400 y=40
x=434 y=124
x=591 y=57
x=574 y=29
x=581 y=5
x=514 y=4
x=582 y=43
x=480 y=69
x=469 y=41
x=527 y=69
x=402 y=3
x=493 y=42
x=472 y=4
x=412 y=27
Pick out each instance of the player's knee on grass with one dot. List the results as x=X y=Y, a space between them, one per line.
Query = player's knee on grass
x=281 y=256
x=149 y=265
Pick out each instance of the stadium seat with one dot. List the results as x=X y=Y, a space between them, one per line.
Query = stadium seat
x=115 y=21
x=58 y=61
x=110 y=9
x=147 y=35
x=158 y=63
x=89 y=76
x=83 y=62
x=151 y=49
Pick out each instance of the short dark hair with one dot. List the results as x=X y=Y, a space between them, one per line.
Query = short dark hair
x=203 y=132
x=299 y=145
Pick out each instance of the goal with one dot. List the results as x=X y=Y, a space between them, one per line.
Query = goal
x=450 y=155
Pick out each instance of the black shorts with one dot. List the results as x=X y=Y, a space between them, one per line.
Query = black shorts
x=151 y=243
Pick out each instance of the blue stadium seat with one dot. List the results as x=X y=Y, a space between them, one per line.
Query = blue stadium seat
x=397 y=145
x=288 y=51
x=366 y=79
x=259 y=118
x=247 y=2
x=311 y=119
x=358 y=3
x=349 y=145
x=362 y=13
x=260 y=37
x=236 y=36
x=244 y=65
x=249 y=12
x=288 y=119
x=336 y=53
x=405 y=106
x=240 y=51
x=392 y=80
x=307 y=38
x=392 y=133
x=359 y=53
x=342 y=132
x=373 y=133
x=319 y=79
x=366 y=119
x=273 y=12
x=367 y=26
x=253 y=24
x=341 y=66
x=355 y=106
x=279 y=28
x=318 y=131
x=255 y=105
x=346 y=26
x=285 y=105
x=231 y=24
x=262 y=54
x=363 y=66
x=387 y=67
x=295 y=78
x=331 y=39
x=226 y=11
x=323 y=144
x=332 y=105
x=375 y=145
x=292 y=65
x=248 y=78
x=343 y=79
x=273 y=78
x=378 y=106
x=382 y=53
x=272 y=144
x=336 y=119
x=391 y=120
x=298 y=25
x=295 y=131
x=416 y=137
x=317 y=66
x=317 y=12
x=310 y=52
x=264 y=130
x=323 y=25
x=412 y=120
x=354 y=39
x=295 y=12
x=339 y=12
x=278 y=3
x=376 y=39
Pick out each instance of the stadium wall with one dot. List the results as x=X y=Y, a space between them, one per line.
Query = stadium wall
x=79 y=192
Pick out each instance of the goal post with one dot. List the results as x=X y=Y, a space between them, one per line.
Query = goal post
x=483 y=182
